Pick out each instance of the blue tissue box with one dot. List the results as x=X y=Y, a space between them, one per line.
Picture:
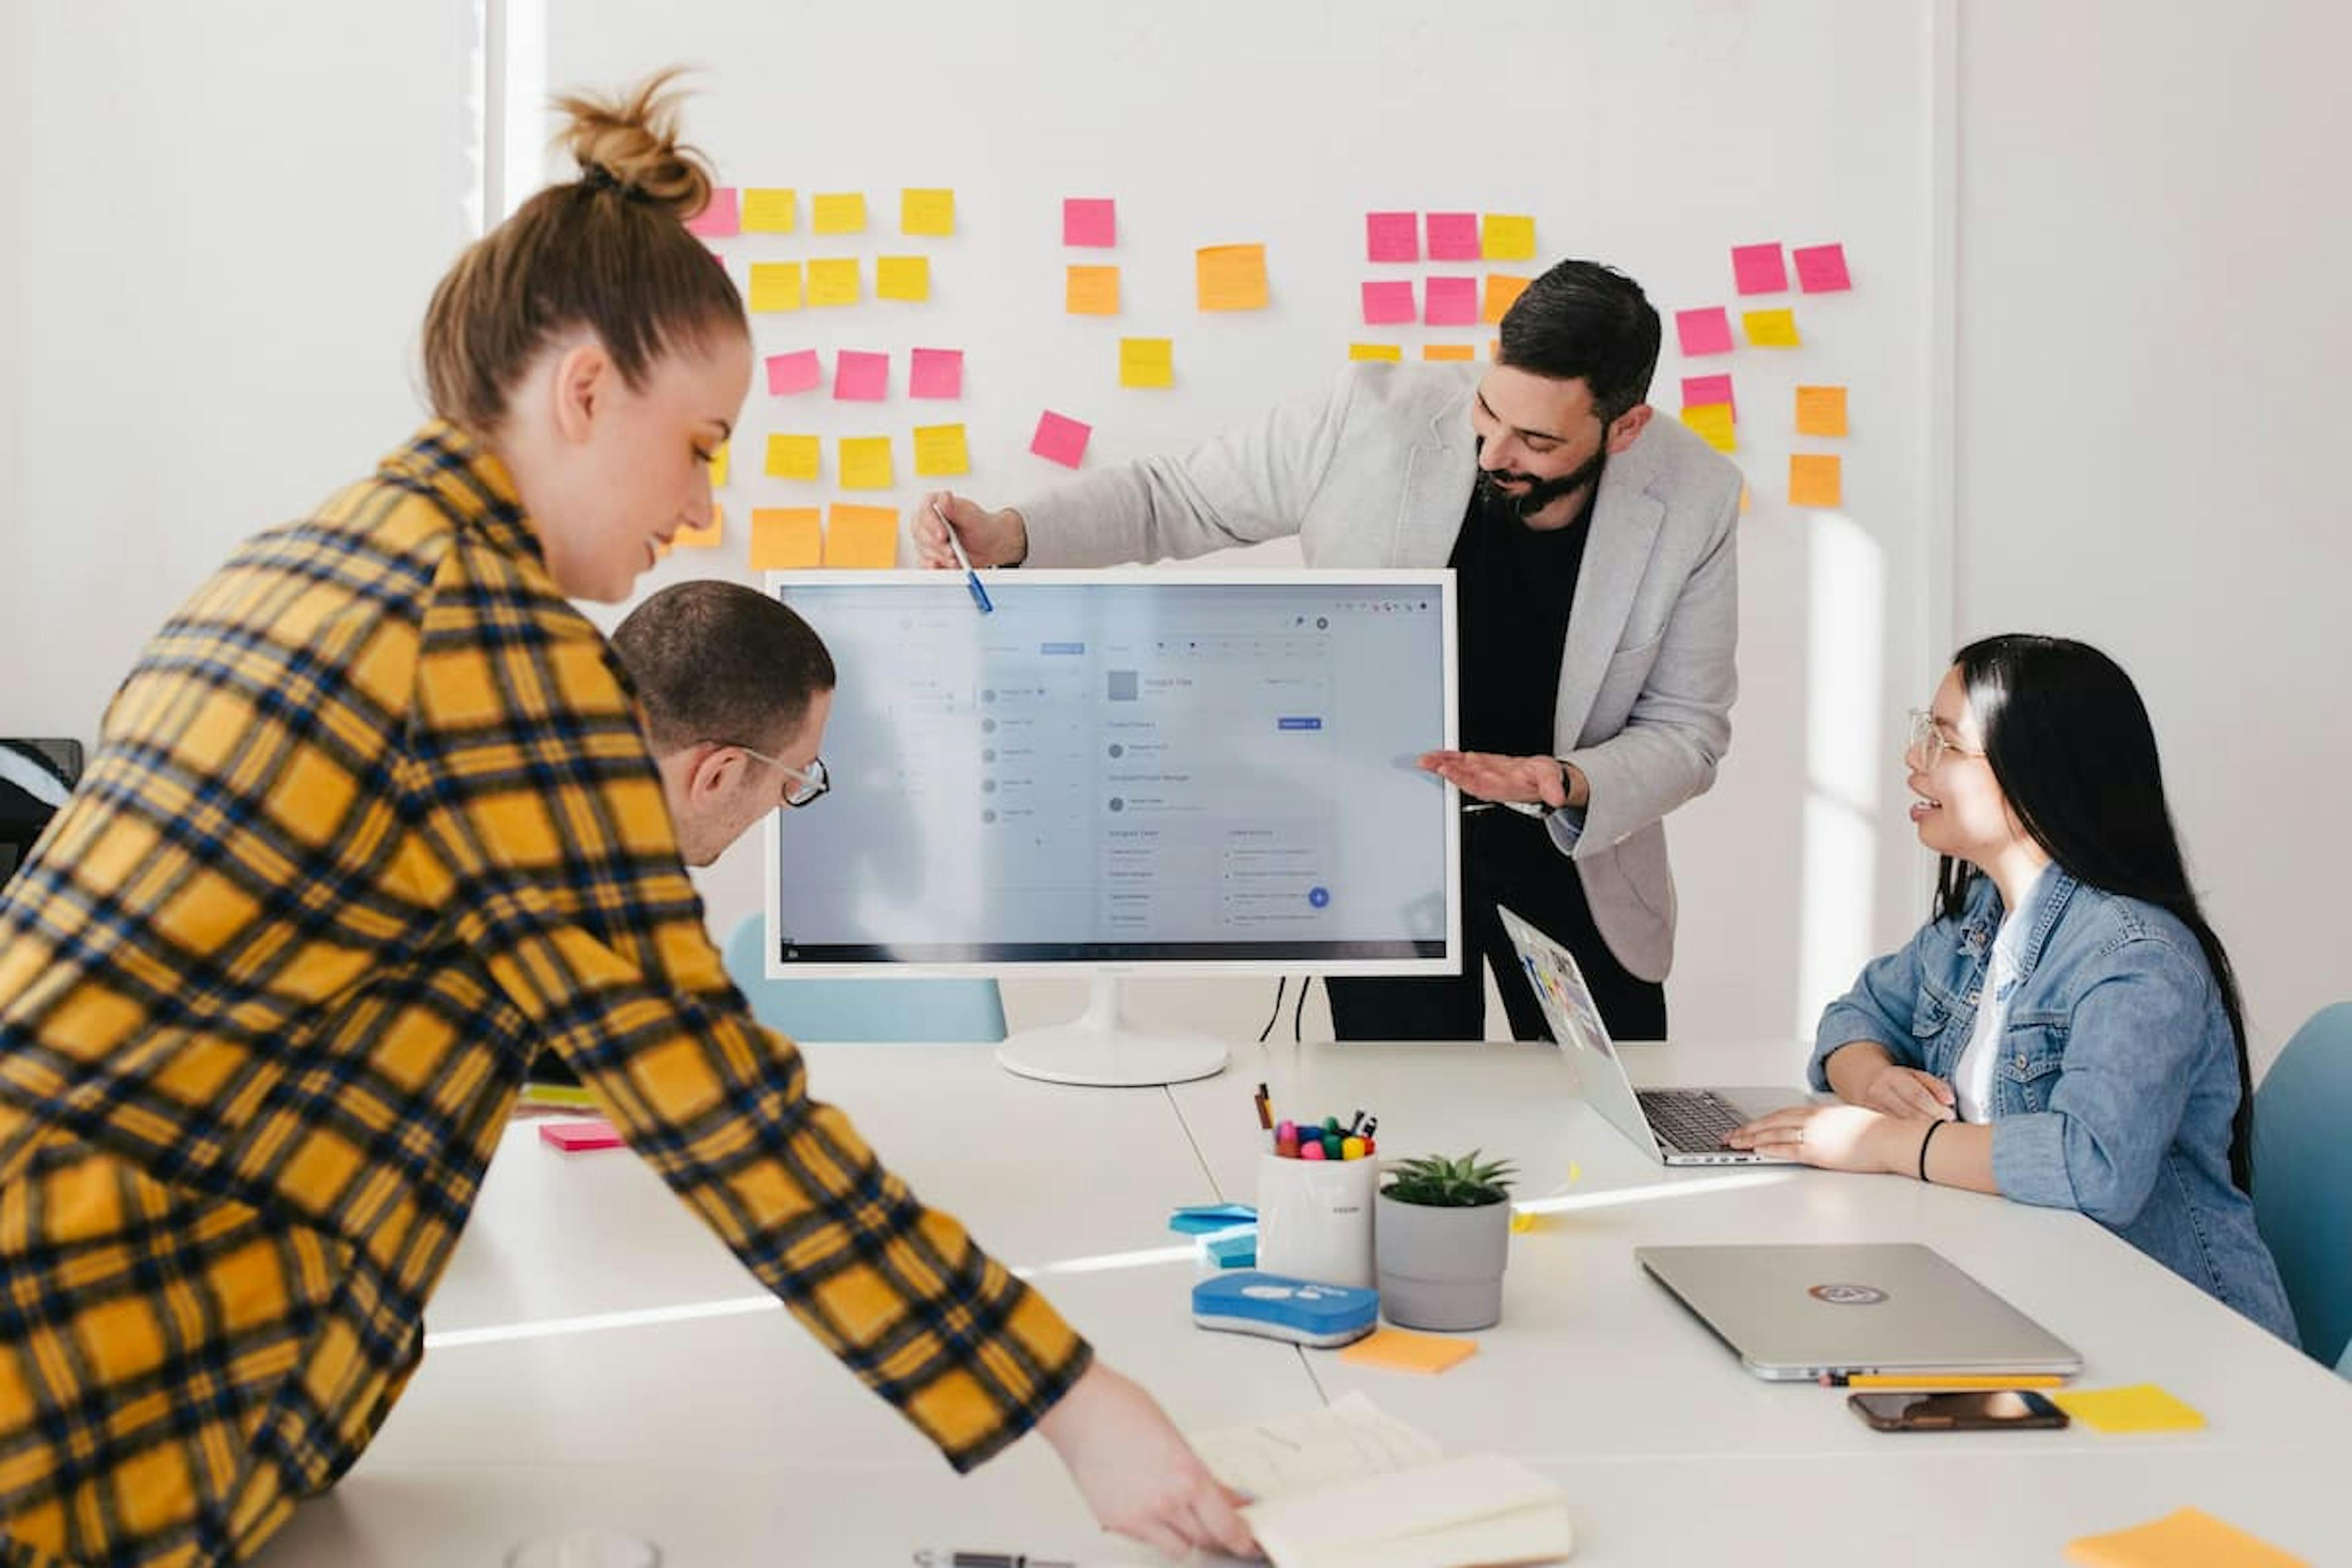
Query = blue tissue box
x=1282 y=1308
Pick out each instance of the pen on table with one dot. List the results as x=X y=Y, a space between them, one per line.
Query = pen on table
x=971 y=578
x=988 y=1560
x=1929 y=1381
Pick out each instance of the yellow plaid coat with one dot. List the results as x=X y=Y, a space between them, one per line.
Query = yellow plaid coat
x=371 y=822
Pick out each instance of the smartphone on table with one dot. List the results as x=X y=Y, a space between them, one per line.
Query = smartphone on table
x=1975 y=1410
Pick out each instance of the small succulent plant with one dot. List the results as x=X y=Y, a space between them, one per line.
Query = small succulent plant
x=1436 y=1182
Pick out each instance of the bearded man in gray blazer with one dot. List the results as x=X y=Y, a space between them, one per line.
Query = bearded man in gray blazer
x=1596 y=557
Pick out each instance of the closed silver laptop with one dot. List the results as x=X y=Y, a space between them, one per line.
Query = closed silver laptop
x=1797 y=1313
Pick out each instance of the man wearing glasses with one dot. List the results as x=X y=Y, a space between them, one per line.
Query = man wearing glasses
x=1595 y=554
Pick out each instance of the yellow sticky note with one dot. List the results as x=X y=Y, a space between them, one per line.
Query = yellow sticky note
x=795 y=457
x=865 y=463
x=719 y=466
x=1448 y=351
x=1820 y=411
x=1714 y=425
x=839 y=212
x=1376 y=351
x=926 y=212
x=1231 y=276
x=939 y=450
x=771 y=211
x=1503 y=290
x=705 y=538
x=1771 y=329
x=2141 y=1408
x=1147 y=362
x=902 y=278
x=862 y=536
x=2185 y=1538
x=1815 y=480
x=775 y=286
x=1400 y=1351
x=1508 y=236
x=786 y=537
x=833 y=281
x=1091 y=291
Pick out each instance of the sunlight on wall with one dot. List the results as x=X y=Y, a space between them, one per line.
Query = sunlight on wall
x=1846 y=760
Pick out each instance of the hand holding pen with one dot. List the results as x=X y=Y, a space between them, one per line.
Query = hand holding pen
x=952 y=532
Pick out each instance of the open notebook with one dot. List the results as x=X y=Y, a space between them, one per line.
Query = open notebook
x=1347 y=1486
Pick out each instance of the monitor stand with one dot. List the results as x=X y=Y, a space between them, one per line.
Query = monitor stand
x=1097 y=1047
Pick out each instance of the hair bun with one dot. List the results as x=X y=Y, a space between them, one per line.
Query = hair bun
x=631 y=143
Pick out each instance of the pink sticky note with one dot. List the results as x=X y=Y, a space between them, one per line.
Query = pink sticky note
x=1388 y=302
x=574 y=1136
x=859 y=377
x=720 y=218
x=1089 y=220
x=1706 y=331
x=1453 y=237
x=1759 y=269
x=937 y=372
x=795 y=372
x=1698 y=391
x=1820 y=268
x=1392 y=236
x=1059 y=439
x=1452 y=302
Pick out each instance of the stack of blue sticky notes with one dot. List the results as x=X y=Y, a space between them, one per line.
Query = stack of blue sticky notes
x=1199 y=1219
x=1282 y=1308
x=1234 y=1248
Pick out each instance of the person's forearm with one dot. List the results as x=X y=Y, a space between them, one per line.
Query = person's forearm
x=1850 y=1067
x=1961 y=1156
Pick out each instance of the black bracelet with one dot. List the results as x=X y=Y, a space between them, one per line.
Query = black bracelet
x=1925 y=1138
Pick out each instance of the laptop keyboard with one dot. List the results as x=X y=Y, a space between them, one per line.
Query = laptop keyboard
x=1689 y=1121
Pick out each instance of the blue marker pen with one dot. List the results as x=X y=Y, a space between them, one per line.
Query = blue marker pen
x=971 y=578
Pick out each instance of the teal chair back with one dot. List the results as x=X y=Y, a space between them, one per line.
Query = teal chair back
x=899 y=1008
x=2302 y=1171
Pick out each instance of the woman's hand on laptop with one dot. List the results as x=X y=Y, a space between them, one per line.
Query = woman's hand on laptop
x=1834 y=1137
x=1899 y=1090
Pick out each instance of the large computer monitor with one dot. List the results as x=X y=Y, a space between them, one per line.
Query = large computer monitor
x=1142 y=770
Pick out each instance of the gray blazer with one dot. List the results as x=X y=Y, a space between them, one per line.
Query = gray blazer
x=1378 y=472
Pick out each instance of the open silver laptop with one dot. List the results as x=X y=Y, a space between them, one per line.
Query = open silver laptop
x=1801 y=1313
x=1678 y=1126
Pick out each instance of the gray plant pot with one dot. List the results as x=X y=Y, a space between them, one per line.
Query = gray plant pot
x=1441 y=1268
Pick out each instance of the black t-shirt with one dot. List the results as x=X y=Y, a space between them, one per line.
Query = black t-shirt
x=1513 y=589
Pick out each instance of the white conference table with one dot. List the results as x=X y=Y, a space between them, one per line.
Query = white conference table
x=597 y=1359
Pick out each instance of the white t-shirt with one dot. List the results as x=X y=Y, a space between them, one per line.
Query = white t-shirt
x=1972 y=1074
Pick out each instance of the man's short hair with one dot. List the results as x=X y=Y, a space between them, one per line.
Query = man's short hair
x=718 y=661
x=1582 y=320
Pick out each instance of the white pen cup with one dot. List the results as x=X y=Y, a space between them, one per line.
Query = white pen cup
x=1314 y=1218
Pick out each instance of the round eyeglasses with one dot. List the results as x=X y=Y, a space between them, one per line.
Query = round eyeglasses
x=807 y=783
x=1927 y=738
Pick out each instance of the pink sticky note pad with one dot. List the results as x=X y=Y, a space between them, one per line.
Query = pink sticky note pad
x=1059 y=439
x=1759 y=269
x=1820 y=268
x=794 y=372
x=1389 y=301
x=574 y=1136
x=1453 y=237
x=720 y=218
x=937 y=372
x=860 y=377
x=1452 y=302
x=1392 y=236
x=1706 y=331
x=1089 y=220
x=1698 y=391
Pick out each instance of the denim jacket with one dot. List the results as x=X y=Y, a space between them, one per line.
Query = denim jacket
x=2116 y=1080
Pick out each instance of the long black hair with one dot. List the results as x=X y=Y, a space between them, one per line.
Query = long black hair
x=2072 y=748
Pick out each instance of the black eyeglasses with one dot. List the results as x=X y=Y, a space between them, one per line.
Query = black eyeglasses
x=807 y=783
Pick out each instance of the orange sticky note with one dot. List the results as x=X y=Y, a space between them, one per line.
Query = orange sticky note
x=785 y=538
x=1815 y=479
x=862 y=536
x=719 y=466
x=2185 y=1538
x=775 y=286
x=1398 y=1350
x=1714 y=424
x=2140 y=1407
x=1147 y=362
x=902 y=278
x=1771 y=329
x=833 y=281
x=1820 y=411
x=1502 y=290
x=930 y=211
x=865 y=463
x=795 y=457
x=840 y=212
x=1376 y=351
x=771 y=211
x=1448 y=351
x=1508 y=236
x=940 y=450
x=1091 y=291
x=1231 y=276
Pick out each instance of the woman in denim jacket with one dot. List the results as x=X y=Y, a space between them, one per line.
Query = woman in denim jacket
x=2066 y=1031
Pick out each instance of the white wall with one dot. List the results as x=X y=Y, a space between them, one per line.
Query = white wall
x=223 y=222
x=2153 y=348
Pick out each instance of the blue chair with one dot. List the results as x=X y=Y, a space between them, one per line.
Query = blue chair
x=2302 y=1171
x=901 y=1008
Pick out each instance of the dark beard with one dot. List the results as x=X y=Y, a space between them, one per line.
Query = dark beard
x=1518 y=506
